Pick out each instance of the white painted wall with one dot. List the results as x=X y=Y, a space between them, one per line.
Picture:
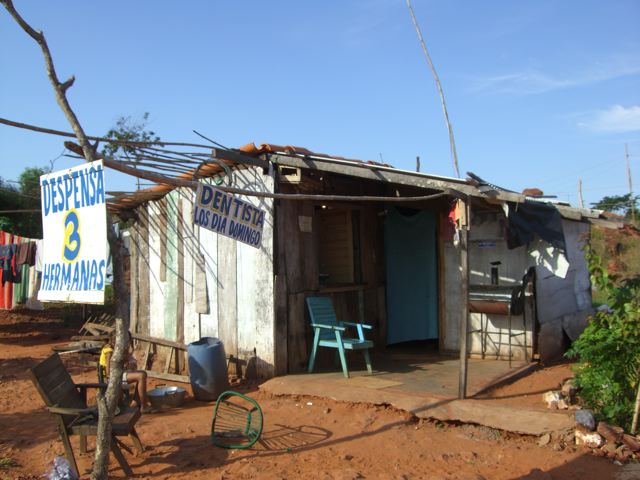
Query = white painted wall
x=156 y=286
x=558 y=299
x=255 y=284
x=254 y=288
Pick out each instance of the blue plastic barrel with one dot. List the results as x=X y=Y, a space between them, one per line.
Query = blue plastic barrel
x=207 y=368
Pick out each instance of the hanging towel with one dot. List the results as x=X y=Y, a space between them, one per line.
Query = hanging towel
x=39 y=254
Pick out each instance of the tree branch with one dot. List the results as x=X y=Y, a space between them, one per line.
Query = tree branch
x=106 y=403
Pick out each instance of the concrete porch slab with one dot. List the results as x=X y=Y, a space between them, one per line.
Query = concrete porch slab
x=429 y=390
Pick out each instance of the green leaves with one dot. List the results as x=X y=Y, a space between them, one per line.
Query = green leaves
x=609 y=348
x=24 y=196
x=127 y=129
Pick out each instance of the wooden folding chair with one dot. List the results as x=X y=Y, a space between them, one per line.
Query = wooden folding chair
x=68 y=402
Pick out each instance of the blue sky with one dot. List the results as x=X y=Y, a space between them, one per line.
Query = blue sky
x=540 y=93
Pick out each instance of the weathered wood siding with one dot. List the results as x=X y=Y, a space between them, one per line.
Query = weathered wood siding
x=196 y=283
x=298 y=278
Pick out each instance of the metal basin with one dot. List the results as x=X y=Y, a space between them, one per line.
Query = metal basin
x=162 y=397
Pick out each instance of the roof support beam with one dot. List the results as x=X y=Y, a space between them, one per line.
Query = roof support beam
x=370 y=172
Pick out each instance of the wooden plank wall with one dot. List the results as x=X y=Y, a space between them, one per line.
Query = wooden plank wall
x=298 y=264
x=298 y=278
x=171 y=268
x=157 y=238
x=143 y=290
x=197 y=283
x=255 y=287
x=190 y=254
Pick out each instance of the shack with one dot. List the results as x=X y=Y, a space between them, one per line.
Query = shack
x=396 y=264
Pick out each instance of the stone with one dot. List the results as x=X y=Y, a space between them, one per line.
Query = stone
x=570 y=437
x=568 y=389
x=585 y=418
x=611 y=433
x=609 y=449
x=588 y=438
x=623 y=453
x=544 y=440
x=632 y=442
x=551 y=398
x=552 y=342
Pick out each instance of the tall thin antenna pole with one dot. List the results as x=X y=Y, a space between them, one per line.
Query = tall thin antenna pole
x=631 y=199
x=580 y=193
x=452 y=143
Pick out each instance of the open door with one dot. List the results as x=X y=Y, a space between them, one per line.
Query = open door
x=411 y=267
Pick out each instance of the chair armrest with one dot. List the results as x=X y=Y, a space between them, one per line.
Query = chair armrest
x=73 y=411
x=363 y=325
x=328 y=327
x=360 y=327
x=91 y=385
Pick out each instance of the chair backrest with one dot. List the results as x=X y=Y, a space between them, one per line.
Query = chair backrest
x=237 y=421
x=55 y=385
x=321 y=311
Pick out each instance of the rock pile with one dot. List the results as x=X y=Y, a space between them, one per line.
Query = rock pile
x=601 y=438
x=562 y=399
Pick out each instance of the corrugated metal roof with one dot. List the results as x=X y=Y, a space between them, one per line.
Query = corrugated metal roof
x=127 y=201
x=292 y=150
x=123 y=202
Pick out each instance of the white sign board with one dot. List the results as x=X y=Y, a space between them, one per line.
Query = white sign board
x=74 y=227
x=227 y=215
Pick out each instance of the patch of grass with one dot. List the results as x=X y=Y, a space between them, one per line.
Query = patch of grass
x=6 y=462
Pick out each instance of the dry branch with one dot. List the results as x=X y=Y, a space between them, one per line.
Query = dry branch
x=106 y=402
x=181 y=182
x=60 y=133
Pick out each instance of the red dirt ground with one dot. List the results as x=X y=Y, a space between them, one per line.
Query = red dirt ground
x=303 y=437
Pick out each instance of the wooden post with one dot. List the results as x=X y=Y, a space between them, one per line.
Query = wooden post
x=580 y=193
x=632 y=201
x=464 y=320
x=636 y=409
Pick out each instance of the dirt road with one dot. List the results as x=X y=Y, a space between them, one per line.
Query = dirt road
x=303 y=437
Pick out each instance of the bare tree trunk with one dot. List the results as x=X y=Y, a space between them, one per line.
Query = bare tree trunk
x=106 y=403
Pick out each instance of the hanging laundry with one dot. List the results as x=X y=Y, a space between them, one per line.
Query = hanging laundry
x=39 y=252
x=8 y=264
x=26 y=253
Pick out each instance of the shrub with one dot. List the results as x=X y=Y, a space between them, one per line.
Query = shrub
x=608 y=350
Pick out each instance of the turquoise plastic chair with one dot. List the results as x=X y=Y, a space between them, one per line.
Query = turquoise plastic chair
x=330 y=332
